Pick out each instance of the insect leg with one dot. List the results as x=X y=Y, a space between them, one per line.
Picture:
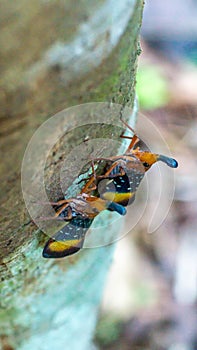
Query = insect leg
x=107 y=174
x=60 y=210
x=134 y=139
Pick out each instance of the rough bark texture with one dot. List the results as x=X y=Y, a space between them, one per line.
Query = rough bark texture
x=47 y=304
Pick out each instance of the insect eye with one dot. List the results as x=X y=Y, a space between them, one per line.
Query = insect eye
x=146 y=165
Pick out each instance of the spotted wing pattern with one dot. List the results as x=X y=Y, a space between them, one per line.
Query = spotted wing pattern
x=69 y=239
x=122 y=188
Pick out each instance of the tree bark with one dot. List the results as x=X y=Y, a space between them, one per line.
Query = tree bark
x=55 y=55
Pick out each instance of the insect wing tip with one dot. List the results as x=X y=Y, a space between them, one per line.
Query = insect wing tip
x=59 y=249
x=69 y=240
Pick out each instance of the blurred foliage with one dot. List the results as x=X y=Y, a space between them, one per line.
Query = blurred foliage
x=108 y=330
x=152 y=87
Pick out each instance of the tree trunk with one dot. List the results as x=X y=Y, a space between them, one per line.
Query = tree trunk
x=55 y=55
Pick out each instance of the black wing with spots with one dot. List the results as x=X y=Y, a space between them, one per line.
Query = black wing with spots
x=122 y=188
x=69 y=240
